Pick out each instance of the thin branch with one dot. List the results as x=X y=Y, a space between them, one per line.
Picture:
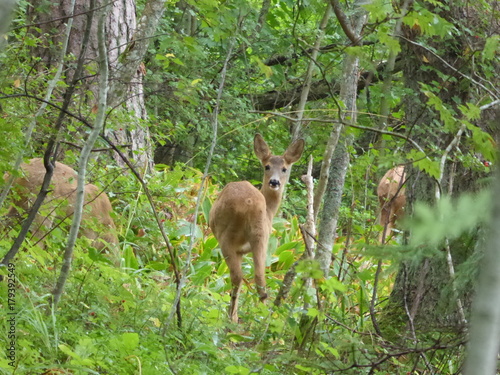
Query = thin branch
x=492 y=104
x=330 y=121
x=345 y=23
x=373 y=315
x=306 y=86
x=449 y=258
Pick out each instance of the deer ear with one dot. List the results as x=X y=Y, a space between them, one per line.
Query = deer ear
x=260 y=147
x=294 y=151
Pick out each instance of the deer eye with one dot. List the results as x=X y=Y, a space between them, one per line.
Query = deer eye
x=284 y=170
x=268 y=167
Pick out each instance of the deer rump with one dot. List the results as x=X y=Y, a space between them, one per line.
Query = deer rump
x=58 y=206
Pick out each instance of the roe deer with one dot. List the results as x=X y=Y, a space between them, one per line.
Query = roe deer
x=97 y=223
x=392 y=199
x=241 y=217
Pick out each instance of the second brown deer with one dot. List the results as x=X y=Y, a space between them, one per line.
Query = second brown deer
x=392 y=199
x=97 y=223
x=241 y=217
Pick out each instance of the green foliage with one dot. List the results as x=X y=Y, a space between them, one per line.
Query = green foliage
x=449 y=218
x=430 y=23
x=491 y=47
x=115 y=315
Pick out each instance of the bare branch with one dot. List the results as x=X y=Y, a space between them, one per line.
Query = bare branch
x=333 y=121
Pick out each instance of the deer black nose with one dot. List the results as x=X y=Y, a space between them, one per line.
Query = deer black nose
x=274 y=183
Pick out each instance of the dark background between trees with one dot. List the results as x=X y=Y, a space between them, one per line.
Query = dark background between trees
x=368 y=86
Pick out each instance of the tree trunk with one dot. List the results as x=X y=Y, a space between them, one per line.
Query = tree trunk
x=482 y=351
x=6 y=8
x=340 y=159
x=126 y=46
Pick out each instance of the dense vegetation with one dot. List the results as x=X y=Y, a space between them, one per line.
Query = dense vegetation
x=424 y=90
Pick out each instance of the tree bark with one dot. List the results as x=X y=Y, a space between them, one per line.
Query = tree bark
x=127 y=50
x=6 y=8
x=340 y=160
x=484 y=342
x=127 y=45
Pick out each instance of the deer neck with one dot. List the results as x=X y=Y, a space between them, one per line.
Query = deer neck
x=273 y=200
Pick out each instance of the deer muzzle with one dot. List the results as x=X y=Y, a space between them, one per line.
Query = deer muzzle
x=274 y=184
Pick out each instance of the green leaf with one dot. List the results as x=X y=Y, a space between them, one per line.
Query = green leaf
x=391 y=42
x=312 y=312
x=309 y=268
x=332 y=284
x=130 y=340
x=491 y=47
x=67 y=350
x=422 y=162
x=286 y=258
x=470 y=111
x=239 y=370
x=483 y=142
x=130 y=259
x=286 y=246
x=428 y=23
x=239 y=338
x=266 y=70
x=378 y=9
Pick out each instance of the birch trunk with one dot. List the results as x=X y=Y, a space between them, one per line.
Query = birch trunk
x=310 y=69
x=6 y=8
x=340 y=158
x=126 y=45
x=484 y=342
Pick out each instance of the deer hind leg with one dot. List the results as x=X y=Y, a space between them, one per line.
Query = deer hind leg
x=233 y=261
x=385 y=219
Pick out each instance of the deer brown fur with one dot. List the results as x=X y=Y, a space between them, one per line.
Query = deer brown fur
x=97 y=223
x=241 y=217
x=392 y=199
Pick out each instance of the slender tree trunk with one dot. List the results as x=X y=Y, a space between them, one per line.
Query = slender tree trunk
x=128 y=45
x=306 y=87
x=6 y=8
x=340 y=159
x=84 y=156
x=484 y=344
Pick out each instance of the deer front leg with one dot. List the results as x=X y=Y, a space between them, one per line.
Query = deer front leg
x=259 y=261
